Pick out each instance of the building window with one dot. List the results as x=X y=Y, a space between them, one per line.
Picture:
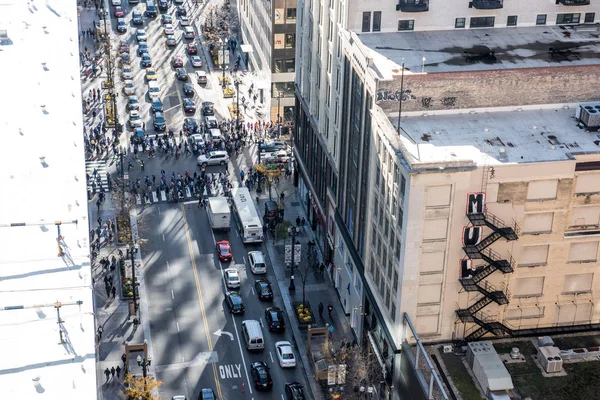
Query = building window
x=511 y=20
x=290 y=40
x=589 y=18
x=541 y=19
x=290 y=65
x=366 y=22
x=278 y=65
x=291 y=13
x=376 y=21
x=460 y=22
x=406 y=25
x=482 y=22
x=567 y=19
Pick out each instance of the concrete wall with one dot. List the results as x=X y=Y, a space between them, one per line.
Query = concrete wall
x=492 y=88
x=442 y=14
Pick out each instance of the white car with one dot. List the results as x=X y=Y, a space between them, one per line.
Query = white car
x=188 y=32
x=127 y=72
x=232 y=278
x=135 y=121
x=184 y=21
x=169 y=30
x=257 y=262
x=196 y=61
x=129 y=87
x=153 y=89
x=285 y=354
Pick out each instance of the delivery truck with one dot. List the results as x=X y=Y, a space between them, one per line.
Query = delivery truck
x=219 y=213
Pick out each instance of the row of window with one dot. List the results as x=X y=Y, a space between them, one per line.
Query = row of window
x=489 y=22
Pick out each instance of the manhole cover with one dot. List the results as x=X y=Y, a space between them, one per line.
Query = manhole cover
x=295 y=203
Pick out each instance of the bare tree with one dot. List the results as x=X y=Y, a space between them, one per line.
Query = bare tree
x=363 y=370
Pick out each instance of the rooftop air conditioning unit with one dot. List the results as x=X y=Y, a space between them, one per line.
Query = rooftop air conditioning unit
x=589 y=115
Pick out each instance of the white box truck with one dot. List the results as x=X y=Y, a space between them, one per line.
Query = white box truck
x=219 y=213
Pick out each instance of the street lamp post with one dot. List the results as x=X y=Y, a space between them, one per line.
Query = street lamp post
x=278 y=114
x=131 y=252
x=144 y=363
x=224 y=41
x=237 y=108
x=293 y=231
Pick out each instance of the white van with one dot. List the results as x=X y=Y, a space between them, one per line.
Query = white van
x=253 y=336
x=153 y=89
x=215 y=135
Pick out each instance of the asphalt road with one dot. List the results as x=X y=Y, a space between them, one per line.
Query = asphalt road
x=196 y=341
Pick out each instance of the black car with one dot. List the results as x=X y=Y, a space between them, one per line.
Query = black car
x=157 y=105
x=261 y=375
x=263 y=290
x=181 y=11
x=207 y=394
x=190 y=125
x=136 y=18
x=189 y=106
x=294 y=391
x=160 y=124
x=274 y=318
x=188 y=89
x=208 y=108
x=234 y=302
x=181 y=74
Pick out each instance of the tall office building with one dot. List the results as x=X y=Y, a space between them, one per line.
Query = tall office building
x=268 y=31
x=451 y=175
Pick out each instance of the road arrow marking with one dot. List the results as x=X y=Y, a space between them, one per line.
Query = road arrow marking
x=222 y=332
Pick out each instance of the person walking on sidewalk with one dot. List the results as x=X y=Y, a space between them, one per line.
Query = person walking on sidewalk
x=107 y=373
x=321 y=307
x=118 y=371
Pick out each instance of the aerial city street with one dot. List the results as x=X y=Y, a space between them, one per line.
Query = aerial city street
x=300 y=199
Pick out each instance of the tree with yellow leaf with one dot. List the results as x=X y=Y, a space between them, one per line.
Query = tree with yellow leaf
x=137 y=388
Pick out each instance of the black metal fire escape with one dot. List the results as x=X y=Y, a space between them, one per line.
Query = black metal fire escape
x=476 y=283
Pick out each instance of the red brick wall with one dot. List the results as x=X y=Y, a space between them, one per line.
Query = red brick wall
x=492 y=88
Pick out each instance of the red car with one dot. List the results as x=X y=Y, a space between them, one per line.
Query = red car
x=119 y=12
x=192 y=49
x=177 y=62
x=224 y=250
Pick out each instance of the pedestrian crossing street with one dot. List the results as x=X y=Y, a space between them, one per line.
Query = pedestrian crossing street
x=100 y=166
x=161 y=197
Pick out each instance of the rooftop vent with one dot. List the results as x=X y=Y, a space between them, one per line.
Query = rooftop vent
x=589 y=115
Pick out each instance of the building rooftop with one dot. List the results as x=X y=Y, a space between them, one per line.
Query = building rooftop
x=42 y=177
x=475 y=138
x=484 y=49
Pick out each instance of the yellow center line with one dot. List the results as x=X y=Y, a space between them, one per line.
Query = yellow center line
x=199 y=290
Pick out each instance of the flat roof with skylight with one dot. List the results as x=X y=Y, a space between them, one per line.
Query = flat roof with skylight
x=468 y=137
x=47 y=332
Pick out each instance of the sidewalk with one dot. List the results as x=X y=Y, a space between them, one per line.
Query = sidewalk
x=319 y=289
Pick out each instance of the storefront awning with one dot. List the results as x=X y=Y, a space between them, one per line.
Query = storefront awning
x=246 y=48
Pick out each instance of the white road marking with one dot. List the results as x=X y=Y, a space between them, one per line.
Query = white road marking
x=172 y=295
x=177 y=323
x=237 y=335
x=271 y=354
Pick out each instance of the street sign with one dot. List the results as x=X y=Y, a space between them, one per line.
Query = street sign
x=288 y=253
x=331 y=374
x=297 y=253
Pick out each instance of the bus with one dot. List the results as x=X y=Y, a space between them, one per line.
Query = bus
x=248 y=221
